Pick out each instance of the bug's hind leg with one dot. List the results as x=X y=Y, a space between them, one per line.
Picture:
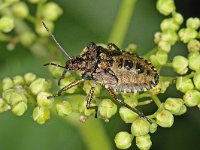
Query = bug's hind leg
x=54 y=64
x=112 y=47
x=62 y=76
x=140 y=114
x=89 y=99
x=66 y=88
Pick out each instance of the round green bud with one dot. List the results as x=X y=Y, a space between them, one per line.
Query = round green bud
x=10 y=1
x=20 y=108
x=87 y=86
x=51 y=11
x=178 y=18
x=153 y=127
x=64 y=108
x=184 y=84
x=43 y=101
x=130 y=99
x=127 y=115
x=194 y=61
x=160 y=88
x=123 y=140
x=7 y=94
x=17 y=97
x=196 y=79
x=169 y=24
x=40 y=29
x=29 y=77
x=6 y=24
x=169 y=36
x=3 y=105
x=157 y=37
x=192 y=98
x=34 y=1
x=187 y=34
x=164 y=46
x=182 y=110
x=173 y=105
x=27 y=38
x=67 y=80
x=164 y=118
x=165 y=7
x=180 y=64
x=39 y=85
x=107 y=108
x=56 y=71
x=160 y=58
x=41 y=114
x=131 y=48
x=143 y=142
x=83 y=110
x=193 y=45
x=20 y=10
x=193 y=23
x=7 y=83
x=140 y=127
x=18 y=80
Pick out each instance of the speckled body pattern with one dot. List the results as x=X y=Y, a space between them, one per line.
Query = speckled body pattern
x=114 y=68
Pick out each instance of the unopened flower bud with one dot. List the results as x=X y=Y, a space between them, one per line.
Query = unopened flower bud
x=196 y=79
x=178 y=18
x=165 y=7
x=184 y=84
x=41 y=114
x=34 y=1
x=43 y=100
x=127 y=115
x=187 y=34
x=17 y=97
x=64 y=108
x=193 y=46
x=157 y=37
x=143 y=142
x=182 y=110
x=27 y=38
x=164 y=46
x=194 y=61
x=7 y=83
x=123 y=140
x=153 y=127
x=164 y=118
x=130 y=99
x=87 y=86
x=180 y=64
x=160 y=58
x=20 y=108
x=67 y=80
x=40 y=29
x=6 y=24
x=169 y=36
x=29 y=77
x=39 y=85
x=18 y=80
x=83 y=110
x=192 y=98
x=193 y=23
x=107 y=108
x=140 y=127
x=20 y=10
x=169 y=24
x=3 y=105
x=173 y=105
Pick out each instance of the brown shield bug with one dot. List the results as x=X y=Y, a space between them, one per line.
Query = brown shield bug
x=111 y=67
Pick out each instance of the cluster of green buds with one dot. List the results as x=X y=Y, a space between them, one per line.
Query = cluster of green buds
x=15 y=15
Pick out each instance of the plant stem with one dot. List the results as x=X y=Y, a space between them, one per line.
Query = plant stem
x=122 y=21
x=156 y=100
x=151 y=52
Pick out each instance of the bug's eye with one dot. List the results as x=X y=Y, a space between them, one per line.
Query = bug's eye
x=91 y=46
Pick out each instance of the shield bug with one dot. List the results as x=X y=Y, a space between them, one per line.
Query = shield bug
x=111 y=67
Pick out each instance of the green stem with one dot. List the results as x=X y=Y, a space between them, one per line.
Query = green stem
x=122 y=21
x=151 y=52
x=144 y=102
x=156 y=100
x=143 y=95
x=189 y=75
x=168 y=64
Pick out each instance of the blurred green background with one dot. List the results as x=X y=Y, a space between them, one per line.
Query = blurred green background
x=81 y=22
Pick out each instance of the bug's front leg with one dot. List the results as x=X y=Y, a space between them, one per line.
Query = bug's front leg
x=89 y=99
x=140 y=114
x=66 y=88
x=112 y=47
x=53 y=64
x=62 y=76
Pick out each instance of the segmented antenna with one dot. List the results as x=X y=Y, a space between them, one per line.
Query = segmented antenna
x=55 y=41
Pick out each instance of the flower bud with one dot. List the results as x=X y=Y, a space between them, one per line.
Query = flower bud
x=19 y=109
x=107 y=108
x=41 y=114
x=130 y=99
x=187 y=34
x=34 y=1
x=18 y=80
x=153 y=127
x=40 y=29
x=193 y=46
x=160 y=58
x=173 y=105
x=27 y=38
x=178 y=18
x=29 y=77
x=127 y=115
x=169 y=24
x=157 y=37
x=193 y=23
x=196 y=79
x=51 y=11
x=39 y=85
x=165 y=7
x=17 y=97
x=192 y=98
x=164 y=46
x=64 y=108
x=83 y=110
x=56 y=71
x=6 y=24
x=43 y=101
x=3 y=105
x=131 y=48
x=180 y=64
x=182 y=110
x=7 y=94
x=184 y=84
x=67 y=80
x=164 y=119
x=20 y=10
x=194 y=61
x=143 y=142
x=169 y=36
x=87 y=86
x=123 y=140
x=140 y=127
x=7 y=83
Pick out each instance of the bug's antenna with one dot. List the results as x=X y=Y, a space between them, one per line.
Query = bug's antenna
x=54 y=39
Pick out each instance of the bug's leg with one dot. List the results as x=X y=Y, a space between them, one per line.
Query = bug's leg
x=66 y=88
x=89 y=99
x=112 y=47
x=62 y=76
x=140 y=114
x=53 y=64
